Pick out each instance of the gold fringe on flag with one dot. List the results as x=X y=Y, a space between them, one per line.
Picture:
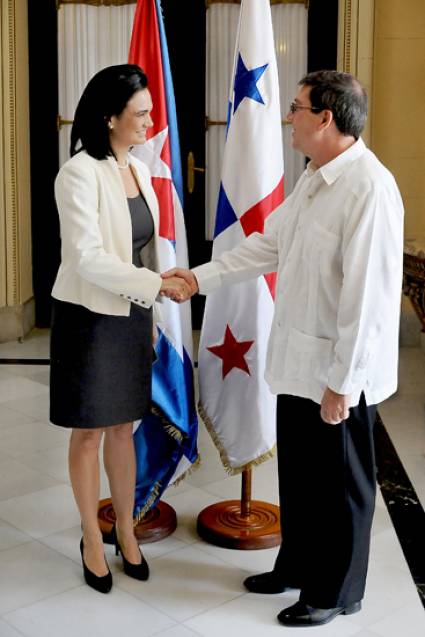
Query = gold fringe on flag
x=169 y=427
x=149 y=502
x=233 y=471
x=193 y=467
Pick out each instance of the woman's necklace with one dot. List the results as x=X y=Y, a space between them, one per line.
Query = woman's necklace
x=124 y=166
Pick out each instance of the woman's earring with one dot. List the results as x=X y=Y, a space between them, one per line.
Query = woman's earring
x=110 y=125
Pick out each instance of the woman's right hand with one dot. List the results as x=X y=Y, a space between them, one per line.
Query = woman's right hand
x=175 y=288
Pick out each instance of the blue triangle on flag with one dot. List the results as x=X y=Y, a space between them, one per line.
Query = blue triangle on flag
x=226 y=216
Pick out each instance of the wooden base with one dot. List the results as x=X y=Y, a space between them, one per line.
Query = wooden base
x=157 y=524
x=224 y=525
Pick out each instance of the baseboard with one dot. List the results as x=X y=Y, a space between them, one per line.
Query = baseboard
x=16 y=321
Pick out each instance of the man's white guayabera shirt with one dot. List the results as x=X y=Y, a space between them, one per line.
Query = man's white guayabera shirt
x=337 y=245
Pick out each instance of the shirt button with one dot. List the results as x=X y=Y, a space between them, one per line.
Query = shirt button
x=129 y=297
x=136 y=300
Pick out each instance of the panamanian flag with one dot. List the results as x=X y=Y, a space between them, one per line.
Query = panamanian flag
x=166 y=439
x=235 y=402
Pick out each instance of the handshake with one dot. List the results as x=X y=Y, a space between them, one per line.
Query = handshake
x=178 y=284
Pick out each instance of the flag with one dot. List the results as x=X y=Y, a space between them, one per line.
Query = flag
x=235 y=402
x=166 y=439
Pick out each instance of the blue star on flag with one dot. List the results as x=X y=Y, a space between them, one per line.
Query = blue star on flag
x=246 y=83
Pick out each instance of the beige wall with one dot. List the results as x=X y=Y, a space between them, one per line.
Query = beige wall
x=398 y=114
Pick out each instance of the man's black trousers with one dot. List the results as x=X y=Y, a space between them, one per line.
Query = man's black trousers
x=327 y=485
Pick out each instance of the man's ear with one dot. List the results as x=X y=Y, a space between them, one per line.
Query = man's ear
x=327 y=117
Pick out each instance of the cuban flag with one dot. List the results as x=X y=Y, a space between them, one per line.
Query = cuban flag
x=166 y=439
x=235 y=402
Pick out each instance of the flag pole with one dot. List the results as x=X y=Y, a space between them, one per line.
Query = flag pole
x=235 y=402
x=246 y=493
x=241 y=524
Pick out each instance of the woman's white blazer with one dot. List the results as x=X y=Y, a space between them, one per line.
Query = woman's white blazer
x=96 y=268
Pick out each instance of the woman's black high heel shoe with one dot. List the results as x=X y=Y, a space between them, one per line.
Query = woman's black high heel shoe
x=136 y=571
x=102 y=584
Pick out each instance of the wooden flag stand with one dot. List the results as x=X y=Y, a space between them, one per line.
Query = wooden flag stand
x=157 y=524
x=241 y=524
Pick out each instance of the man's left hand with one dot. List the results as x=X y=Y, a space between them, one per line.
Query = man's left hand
x=334 y=407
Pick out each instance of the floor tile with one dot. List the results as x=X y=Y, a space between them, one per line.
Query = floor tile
x=177 y=631
x=386 y=550
x=34 y=436
x=37 y=373
x=152 y=550
x=410 y=439
x=14 y=388
x=83 y=611
x=11 y=536
x=365 y=633
x=43 y=512
x=187 y=506
x=9 y=418
x=8 y=631
x=249 y=562
x=408 y=621
x=185 y=583
x=18 y=479
x=35 y=406
x=387 y=590
x=381 y=520
x=31 y=572
x=52 y=462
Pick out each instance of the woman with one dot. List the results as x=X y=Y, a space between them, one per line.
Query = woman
x=106 y=286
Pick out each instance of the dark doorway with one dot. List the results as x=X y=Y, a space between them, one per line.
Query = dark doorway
x=322 y=34
x=44 y=152
x=187 y=57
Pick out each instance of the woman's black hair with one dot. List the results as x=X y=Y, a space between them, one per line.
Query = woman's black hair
x=106 y=94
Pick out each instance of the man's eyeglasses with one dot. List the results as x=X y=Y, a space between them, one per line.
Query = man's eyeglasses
x=294 y=107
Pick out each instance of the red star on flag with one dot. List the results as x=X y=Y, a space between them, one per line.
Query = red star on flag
x=232 y=352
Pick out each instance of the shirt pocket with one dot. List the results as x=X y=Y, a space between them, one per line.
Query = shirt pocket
x=308 y=357
x=321 y=249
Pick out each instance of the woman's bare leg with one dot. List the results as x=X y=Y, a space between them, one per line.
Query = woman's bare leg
x=84 y=474
x=120 y=464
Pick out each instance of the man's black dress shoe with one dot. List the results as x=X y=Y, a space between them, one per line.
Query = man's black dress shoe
x=266 y=583
x=301 y=614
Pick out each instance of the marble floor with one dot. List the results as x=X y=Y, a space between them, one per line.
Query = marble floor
x=195 y=588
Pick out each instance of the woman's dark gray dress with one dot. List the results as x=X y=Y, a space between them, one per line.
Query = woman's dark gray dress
x=100 y=371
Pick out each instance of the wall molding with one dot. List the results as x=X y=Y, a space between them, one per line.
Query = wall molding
x=356 y=23
x=9 y=175
x=15 y=234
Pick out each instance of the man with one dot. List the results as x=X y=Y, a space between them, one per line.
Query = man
x=336 y=244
